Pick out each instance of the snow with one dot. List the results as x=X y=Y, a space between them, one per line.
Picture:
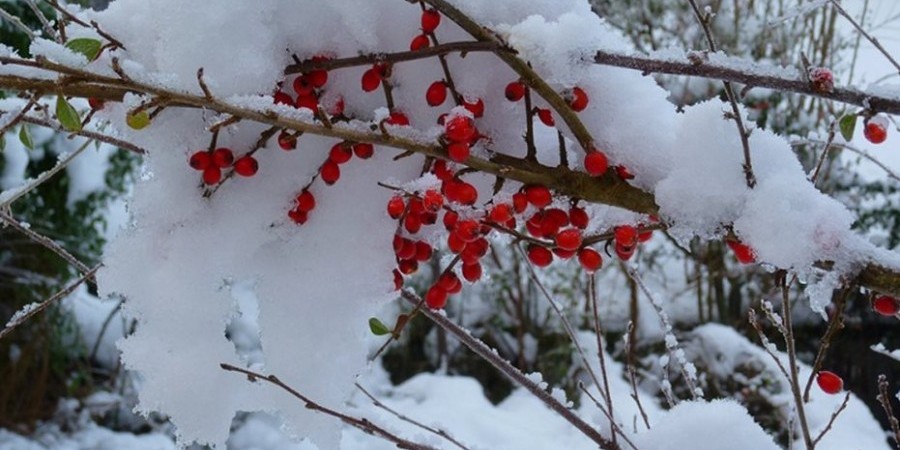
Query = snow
x=231 y=275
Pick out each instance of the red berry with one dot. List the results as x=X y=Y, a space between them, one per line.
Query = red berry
x=822 y=79
x=330 y=172
x=340 y=153
x=419 y=42
x=515 y=91
x=408 y=266
x=298 y=217
x=875 y=130
x=306 y=201
x=460 y=129
x=432 y=200
x=200 y=160
x=404 y=248
x=743 y=252
x=287 y=141
x=468 y=230
x=412 y=223
x=458 y=151
x=363 y=150
x=595 y=163
x=563 y=254
x=625 y=236
x=280 y=98
x=471 y=272
x=246 y=166
x=371 y=79
x=436 y=297
x=539 y=256
x=520 y=202
x=569 y=239
x=578 y=99
x=451 y=218
x=397 y=118
x=829 y=382
x=623 y=173
x=549 y=226
x=645 y=235
x=624 y=252
x=96 y=104
x=500 y=213
x=222 y=158
x=212 y=175
x=468 y=195
x=546 y=117
x=455 y=243
x=423 y=251
x=310 y=102
x=539 y=196
x=430 y=20
x=886 y=305
x=317 y=78
x=441 y=170
x=476 y=107
x=436 y=93
x=450 y=282
x=336 y=108
x=395 y=207
x=578 y=217
x=590 y=259
x=302 y=85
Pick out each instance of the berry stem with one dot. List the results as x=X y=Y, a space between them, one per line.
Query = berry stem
x=531 y=153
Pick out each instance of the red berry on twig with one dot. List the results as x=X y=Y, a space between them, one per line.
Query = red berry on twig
x=200 y=160
x=886 y=305
x=595 y=163
x=539 y=256
x=829 y=382
x=419 y=42
x=578 y=99
x=515 y=91
x=436 y=93
x=430 y=20
x=246 y=166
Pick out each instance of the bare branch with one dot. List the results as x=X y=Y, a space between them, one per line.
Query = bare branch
x=834 y=417
x=361 y=424
x=435 y=431
x=862 y=31
x=507 y=369
x=19 y=319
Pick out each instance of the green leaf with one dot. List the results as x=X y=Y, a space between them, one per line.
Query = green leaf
x=25 y=137
x=88 y=47
x=847 y=125
x=67 y=114
x=378 y=328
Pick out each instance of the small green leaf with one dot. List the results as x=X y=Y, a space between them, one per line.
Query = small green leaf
x=847 y=125
x=25 y=137
x=67 y=114
x=378 y=328
x=88 y=47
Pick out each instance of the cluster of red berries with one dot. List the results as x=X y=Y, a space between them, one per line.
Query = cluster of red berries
x=213 y=162
x=309 y=88
x=626 y=239
x=330 y=172
x=430 y=21
x=459 y=133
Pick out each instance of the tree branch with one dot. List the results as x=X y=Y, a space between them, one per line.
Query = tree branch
x=489 y=355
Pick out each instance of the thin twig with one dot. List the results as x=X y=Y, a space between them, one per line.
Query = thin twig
x=373 y=58
x=885 y=400
x=790 y=344
x=124 y=145
x=632 y=374
x=43 y=177
x=832 y=132
x=362 y=424
x=507 y=369
x=732 y=98
x=862 y=31
x=834 y=325
x=20 y=319
x=17 y=22
x=834 y=417
x=601 y=352
x=45 y=242
x=44 y=22
x=435 y=431
x=18 y=117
